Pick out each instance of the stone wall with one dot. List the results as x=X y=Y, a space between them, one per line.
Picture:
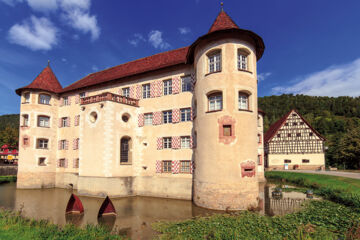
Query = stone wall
x=8 y=170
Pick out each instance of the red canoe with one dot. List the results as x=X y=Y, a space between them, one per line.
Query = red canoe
x=74 y=205
x=107 y=208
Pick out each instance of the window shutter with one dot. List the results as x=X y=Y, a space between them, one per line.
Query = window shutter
x=132 y=91
x=76 y=120
x=157 y=118
x=86 y=94
x=191 y=142
x=61 y=102
x=153 y=89
x=120 y=91
x=77 y=99
x=158 y=88
x=69 y=100
x=74 y=163
x=68 y=121
x=138 y=91
x=59 y=145
x=159 y=143
x=175 y=142
x=66 y=144
x=175 y=167
x=57 y=163
x=176 y=115
x=141 y=120
x=193 y=81
x=192 y=166
x=66 y=163
x=175 y=85
x=192 y=116
x=74 y=144
x=60 y=122
x=158 y=166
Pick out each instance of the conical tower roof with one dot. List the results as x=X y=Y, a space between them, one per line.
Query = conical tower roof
x=223 y=21
x=45 y=81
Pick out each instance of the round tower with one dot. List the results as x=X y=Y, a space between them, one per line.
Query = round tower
x=38 y=131
x=225 y=95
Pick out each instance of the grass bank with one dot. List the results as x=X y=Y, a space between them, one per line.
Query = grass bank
x=7 y=179
x=13 y=226
x=317 y=220
x=338 y=189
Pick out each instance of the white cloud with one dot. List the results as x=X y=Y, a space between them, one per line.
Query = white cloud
x=95 y=68
x=263 y=76
x=64 y=60
x=75 y=4
x=137 y=39
x=43 y=5
x=34 y=33
x=11 y=2
x=184 y=30
x=155 y=38
x=337 y=80
x=83 y=21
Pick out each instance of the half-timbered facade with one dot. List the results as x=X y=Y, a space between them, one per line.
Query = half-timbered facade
x=179 y=124
x=291 y=143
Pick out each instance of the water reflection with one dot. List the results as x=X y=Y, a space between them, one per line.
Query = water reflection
x=134 y=214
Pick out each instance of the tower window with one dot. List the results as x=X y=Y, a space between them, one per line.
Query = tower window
x=214 y=59
x=43 y=121
x=186 y=85
x=41 y=161
x=25 y=120
x=27 y=97
x=185 y=114
x=215 y=101
x=242 y=62
x=44 y=99
x=243 y=101
x=226 y=130
x=167 y=87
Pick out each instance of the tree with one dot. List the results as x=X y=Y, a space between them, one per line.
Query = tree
x=10 y=136
x=349 y=148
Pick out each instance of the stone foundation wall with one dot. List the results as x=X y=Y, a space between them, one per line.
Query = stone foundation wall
x=35 y=180
x=67 y=180
x=8 y=170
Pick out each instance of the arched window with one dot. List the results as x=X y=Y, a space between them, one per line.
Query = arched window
x=215 y=101
x=44 y=99
x=243 y=101
x=214 y=61
x=242 y=62
x=125 y=150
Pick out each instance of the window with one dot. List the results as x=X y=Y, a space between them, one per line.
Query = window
x=286 y=124
x=243 y=101
x=42 y=143
x=259 y=160
x=294 y=124
x=185 y=142
x=186 y=84
x=76 y=163
x=227 y=130
x=126 y=92
x=311 y=134
x=167 y=87
x=167 y=116
x=146 y=90
x=279 y=135
x=289 y=134
x=242 y=60
x=43 y=121
x=66 y=101
x=62 y=144
x=287 y=161
x=185 y=166
x=215 y=62
x=306 y=161
x=27 y=97
x=44 y=99
x=82 y=94
x=185 y=114
x=41 y=161
x=62 y=162
x=259 y=138
x=76 y=143
x=25 y=141
x=298 y=134
x=148 y=118
x=25 y=120
x=301 y=123
x=167 y=142
x=166 y=166
x=215 y=101
x=124 y=150
x=294 y=114
x=64 y=122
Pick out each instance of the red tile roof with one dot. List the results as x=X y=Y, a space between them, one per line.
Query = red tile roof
x=46 y=81
x=270 y=133
x=222 y=22
x=155 y=62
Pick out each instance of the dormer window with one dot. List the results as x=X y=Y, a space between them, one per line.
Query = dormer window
x=243 y=59
x=214 y=59
x=44 y=99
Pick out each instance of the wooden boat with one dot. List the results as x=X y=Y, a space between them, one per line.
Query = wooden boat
x=74 y=205
x=107 y=208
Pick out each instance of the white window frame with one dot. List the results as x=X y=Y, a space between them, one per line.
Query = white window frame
x=185 y=114
x=214 y=61
x=168 y=166
x=242 y=61
x=167 y=116
x=25 y=120
x=167 y=143
x=167 y=87
x=215 y=102
x=186 y=84
x=185 y=166
x=126 y=92
x=27 y=97
x=44 y=99
x=43 y=121
x=64 y=121
x=146 y=90
x=148 y=119
x=66 y=101
x=243 y=101
x=185 y=142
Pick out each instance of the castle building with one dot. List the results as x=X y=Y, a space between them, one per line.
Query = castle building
x=180 y=124
x=291 y=143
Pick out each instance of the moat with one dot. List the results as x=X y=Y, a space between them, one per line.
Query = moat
x=134 y=214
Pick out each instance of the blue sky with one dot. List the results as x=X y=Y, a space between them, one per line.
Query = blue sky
x=311 y=46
